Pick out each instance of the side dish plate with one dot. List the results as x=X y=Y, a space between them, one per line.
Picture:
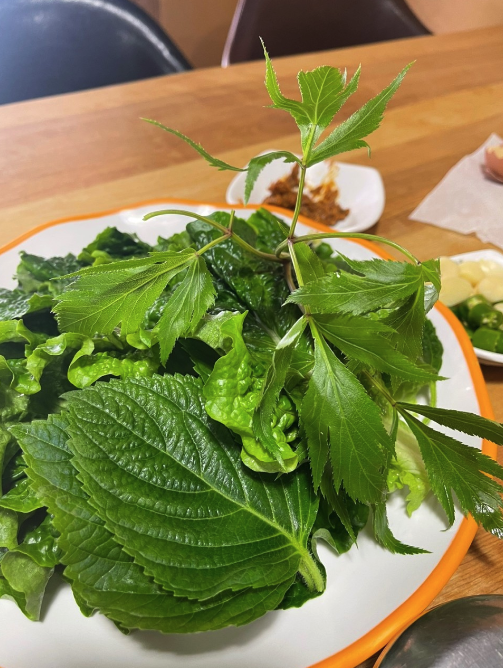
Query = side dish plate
x=371 y=594
x=485 y=356
x=361 y=190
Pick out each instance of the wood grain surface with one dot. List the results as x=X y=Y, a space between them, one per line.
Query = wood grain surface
x=89 y=151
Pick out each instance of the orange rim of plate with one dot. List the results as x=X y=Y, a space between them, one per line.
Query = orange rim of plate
x=414 y=606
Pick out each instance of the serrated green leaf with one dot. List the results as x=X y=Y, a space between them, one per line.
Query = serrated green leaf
x=385 y=537
x=119 y=293
x=187 y=305
x=213 y=162
x=323 y=91
x=407 y=321
x=362 y=339
x=385 y=282
x=433 y=349
x=102 y=574
x=339 y=519
x=248 y=533
x=455 y=467
x=349 y=134
x=468 y=423
x=343 y=423
x=311 y=267
x=257 y=164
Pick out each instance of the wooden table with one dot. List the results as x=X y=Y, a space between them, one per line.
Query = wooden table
x=89 y=151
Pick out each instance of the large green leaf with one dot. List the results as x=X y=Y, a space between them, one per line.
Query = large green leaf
x=250 y=532
x=102 y=574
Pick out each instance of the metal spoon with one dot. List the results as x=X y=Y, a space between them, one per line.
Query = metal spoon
x=466 y=633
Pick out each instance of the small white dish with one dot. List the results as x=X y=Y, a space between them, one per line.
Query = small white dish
x=485 y=356
x=361 y=190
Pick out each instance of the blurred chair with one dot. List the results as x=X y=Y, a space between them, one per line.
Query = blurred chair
x=298 y=26
x=49 y=47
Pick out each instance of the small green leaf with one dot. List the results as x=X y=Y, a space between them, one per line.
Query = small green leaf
x=407 y=321
x=28 y=578
x=468 y=423
x=257 y=164
x=21 y=498
x=214 y=162
x=362 y=339
x=311 y=267
x=323 y=91
x=274 y=383
x=384 y=536
x=185 y=308
x=349 y=134
x=121 y=292
x=342 y=421
x=385 y=282
x=455 y=467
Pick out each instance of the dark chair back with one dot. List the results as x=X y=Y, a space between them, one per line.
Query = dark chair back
x=289 y=27
x=49 y=47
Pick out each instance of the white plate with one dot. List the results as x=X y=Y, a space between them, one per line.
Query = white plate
x=361 y=190
x=371 y=593
x=485 y=356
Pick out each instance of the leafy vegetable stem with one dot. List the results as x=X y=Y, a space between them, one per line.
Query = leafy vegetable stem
x=311 y=574
x=298 y=203
x=349 y=235
x=226 y=230
x=215 y=242
x=189 y=214
x=295 y=263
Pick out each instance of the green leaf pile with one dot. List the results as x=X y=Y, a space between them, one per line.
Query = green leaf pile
x=181 y=423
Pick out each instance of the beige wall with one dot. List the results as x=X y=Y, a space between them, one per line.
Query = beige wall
x=441 y=16
x=199 y=27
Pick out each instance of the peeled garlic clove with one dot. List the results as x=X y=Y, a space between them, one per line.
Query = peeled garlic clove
x=448 y=268
x=491 y=268
x=491 y=288
x=455 y=290
x=471 y=271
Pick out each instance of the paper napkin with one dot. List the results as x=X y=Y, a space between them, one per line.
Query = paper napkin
x=466 y=200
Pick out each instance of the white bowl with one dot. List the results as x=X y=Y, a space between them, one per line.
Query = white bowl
x=484 y=356
x=361 y=190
